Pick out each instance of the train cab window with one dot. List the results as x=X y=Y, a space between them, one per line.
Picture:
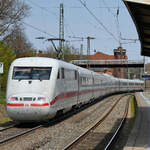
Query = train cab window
x=31 y=73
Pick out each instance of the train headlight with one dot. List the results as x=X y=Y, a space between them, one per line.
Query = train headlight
x=14 y=98
x=41 y=98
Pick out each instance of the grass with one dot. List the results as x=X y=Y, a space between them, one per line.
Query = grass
x=133 y=113
x=3 y=115
x=133 y=107
x=4 y=120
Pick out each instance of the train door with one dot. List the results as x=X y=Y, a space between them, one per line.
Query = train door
x=63 y=79
x=119 y=85
x=78 y=86
x=60 y=88
x=92 y=87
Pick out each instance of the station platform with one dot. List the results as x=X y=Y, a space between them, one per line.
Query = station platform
x=139 y=138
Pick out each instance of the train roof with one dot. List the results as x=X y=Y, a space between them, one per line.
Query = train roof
x=40 y=61
x=32 y=60
x=45 y=61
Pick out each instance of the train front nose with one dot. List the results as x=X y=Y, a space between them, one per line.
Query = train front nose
x=28 y=108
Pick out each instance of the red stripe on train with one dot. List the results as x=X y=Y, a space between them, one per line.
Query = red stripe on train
x=75 y=93
x=36 y=105
x=61 y=96
x=21 y=105
x=15 y=105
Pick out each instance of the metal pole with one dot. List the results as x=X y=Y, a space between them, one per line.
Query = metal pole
x=144 y=73
x=88 y=49
x=61 y=32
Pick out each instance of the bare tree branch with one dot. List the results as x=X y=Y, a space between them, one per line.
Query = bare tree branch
x=11 y=12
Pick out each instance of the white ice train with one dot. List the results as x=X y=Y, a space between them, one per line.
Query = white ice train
x=38 y=88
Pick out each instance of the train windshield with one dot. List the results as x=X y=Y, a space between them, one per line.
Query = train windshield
x=31 y=73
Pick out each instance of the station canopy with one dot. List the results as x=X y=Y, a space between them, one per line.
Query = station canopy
x=140 y=13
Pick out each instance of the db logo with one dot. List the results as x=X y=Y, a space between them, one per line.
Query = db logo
x=27 y=105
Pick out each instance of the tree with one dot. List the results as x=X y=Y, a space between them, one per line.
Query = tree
x=27 y=53
x=11 y=12
x=6 y=56
x=70 y=49
x=17 y=41
x=50 y=50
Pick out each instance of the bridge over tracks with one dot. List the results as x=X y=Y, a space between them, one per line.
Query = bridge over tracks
x=119 y=63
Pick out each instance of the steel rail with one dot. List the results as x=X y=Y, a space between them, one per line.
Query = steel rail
x=20 y=134
x=8 y=127
x=70 y=145
x=110 y=143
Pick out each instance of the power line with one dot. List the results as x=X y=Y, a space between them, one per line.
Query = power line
x=118 y=26
x=69 y=27
x=35 y=28
x=105 y=28
x=50 y=12
x=100 y=7
x=116 y=19
x=116 y=16
x=43 y=8
x=108 y=8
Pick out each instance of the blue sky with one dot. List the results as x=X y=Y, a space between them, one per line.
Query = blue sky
x=79 y=22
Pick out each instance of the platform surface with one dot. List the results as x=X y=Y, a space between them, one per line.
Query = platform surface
x=139 y=138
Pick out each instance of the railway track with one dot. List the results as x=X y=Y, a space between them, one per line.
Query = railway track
x=6 y=128
x=7 y=125
x=78 y=142
x=13 y=132
x=20 y=132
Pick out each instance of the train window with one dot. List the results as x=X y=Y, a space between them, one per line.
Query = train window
x=62 y=73
x=86 y=81
x=76 y=75
x=69 y=74
x=58 y=75
x=97 y=80
x=83 y=80
x=31 y=73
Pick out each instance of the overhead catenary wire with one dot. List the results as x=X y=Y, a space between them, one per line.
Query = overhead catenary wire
x=108 y=8
x=43 y=8
x=53 y=13
x=116 y=17
x=118 y=26
x=68 y=26
x=50 y=12
x=101 y=24
x=35 y=28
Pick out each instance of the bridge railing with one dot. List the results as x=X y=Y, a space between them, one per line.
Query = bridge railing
x=107 y=62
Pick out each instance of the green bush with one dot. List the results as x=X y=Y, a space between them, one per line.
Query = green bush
x=6 y=56
x=2 y=98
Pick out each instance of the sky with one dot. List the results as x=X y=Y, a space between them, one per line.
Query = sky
x=83 y=18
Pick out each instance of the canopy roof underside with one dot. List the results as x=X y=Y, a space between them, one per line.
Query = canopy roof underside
x=140 y=12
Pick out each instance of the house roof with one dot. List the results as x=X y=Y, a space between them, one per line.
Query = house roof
x=101 y=56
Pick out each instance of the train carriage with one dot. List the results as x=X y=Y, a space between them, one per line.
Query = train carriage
x=38 y=88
